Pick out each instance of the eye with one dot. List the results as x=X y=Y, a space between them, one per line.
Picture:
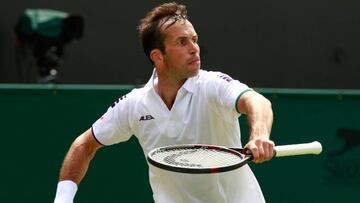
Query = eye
x=182 y=41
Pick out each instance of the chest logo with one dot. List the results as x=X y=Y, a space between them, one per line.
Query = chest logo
x=146 y=118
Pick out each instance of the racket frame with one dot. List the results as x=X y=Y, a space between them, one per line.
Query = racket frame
x=314 y=147
x=245 y=158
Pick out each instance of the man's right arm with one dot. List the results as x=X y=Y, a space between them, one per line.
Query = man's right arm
x=75 y=166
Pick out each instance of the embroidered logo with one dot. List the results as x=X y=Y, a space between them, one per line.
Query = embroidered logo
x=146 y=118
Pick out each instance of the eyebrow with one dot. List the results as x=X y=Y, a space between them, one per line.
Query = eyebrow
x=186 y=37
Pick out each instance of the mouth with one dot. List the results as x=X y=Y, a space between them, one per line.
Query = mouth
x=194 y=60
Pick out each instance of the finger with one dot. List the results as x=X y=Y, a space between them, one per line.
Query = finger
x=265 y=150
x=254 y=152
x=268 y=150
x=261 y=152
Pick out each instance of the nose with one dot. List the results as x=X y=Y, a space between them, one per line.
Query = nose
x=194 y=48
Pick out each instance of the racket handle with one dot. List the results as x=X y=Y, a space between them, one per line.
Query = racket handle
x=298 y=149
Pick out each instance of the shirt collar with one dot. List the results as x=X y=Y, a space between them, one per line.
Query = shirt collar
x=150 y=83
x=189 y=84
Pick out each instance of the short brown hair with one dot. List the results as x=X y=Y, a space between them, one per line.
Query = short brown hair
x=149 y=27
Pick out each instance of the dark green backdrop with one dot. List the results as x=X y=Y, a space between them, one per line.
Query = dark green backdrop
x=38 y=124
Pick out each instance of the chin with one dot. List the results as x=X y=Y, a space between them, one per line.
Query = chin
x=195 y=72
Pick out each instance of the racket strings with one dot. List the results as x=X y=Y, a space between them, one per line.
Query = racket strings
x=196 y=157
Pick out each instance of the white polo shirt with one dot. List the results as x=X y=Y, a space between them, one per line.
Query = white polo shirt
x=204 y=112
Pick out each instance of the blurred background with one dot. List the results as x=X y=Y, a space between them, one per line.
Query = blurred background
x=292 y=44
x=62 y=63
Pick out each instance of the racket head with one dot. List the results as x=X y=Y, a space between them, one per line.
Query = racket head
x=197 y=158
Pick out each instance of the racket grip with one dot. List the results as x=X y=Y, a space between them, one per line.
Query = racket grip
x=298 y=149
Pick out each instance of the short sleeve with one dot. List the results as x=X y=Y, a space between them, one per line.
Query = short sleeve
x=113 y=126
x=226 y=91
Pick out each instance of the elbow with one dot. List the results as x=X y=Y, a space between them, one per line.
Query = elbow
x=260 y=100
x=267 y=103
x=253 y=101
x=86 y=145
x=266 y=106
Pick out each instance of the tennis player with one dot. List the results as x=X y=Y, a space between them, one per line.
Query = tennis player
x=180 y=104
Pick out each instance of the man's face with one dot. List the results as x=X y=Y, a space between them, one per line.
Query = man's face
x=182 y=54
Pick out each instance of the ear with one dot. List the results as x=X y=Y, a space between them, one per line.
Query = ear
x=156 y=56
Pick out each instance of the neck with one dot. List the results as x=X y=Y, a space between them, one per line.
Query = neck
x=168 y=90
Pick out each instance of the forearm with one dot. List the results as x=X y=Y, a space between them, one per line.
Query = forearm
x=260 y=117
x=76 y=162
x=75 y=165
x=259 y=114
x=78 y=158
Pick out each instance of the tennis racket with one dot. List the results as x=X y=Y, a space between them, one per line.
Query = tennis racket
x=202 y=159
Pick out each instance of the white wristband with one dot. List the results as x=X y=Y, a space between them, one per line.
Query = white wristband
x=65 y=191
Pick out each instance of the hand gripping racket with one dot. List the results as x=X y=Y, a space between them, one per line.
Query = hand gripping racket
x=201 y=158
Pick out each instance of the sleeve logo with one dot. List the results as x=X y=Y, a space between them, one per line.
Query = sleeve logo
x=117 y=101
x=225 y=77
